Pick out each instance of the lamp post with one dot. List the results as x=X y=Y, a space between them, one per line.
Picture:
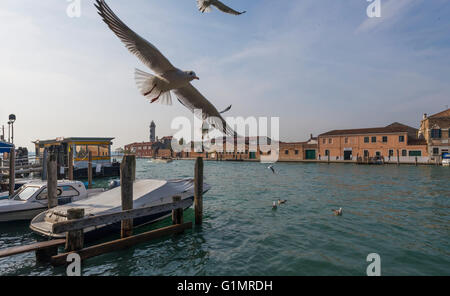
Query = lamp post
x=12 y=119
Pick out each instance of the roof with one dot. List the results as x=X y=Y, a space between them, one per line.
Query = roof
x=74 y=139
x=445 y=113
x=392 y=128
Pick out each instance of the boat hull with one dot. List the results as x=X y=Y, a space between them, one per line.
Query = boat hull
x=94 y=233
x=24 y=215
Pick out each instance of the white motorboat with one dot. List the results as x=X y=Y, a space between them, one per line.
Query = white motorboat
x=146 y=193
x=161 y=160
x=31 y=199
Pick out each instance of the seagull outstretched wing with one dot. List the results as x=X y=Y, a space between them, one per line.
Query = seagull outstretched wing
x=141 y=48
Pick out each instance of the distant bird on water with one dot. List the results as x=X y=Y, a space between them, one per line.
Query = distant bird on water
x=281 y=201
x=271 y=168
x=274 y=205
x=205 y=6
x=337 y=212
x=167 y=78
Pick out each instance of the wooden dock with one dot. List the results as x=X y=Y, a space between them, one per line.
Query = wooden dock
x=47 y=251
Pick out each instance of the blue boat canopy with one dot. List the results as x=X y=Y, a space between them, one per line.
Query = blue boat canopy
x=5 y=147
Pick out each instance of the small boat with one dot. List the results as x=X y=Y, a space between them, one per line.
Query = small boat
x=31 y=199
x=147 y=192
x=162 y=160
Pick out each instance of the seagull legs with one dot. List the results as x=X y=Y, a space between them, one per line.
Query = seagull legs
x=149 y=92
x=155 y=99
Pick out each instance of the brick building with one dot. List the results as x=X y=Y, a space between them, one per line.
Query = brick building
x=435 y=129
x=389 y=142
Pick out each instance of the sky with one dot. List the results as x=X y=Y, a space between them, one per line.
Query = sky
x=318 y=65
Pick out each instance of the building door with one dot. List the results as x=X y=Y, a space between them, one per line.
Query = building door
x=252 y=155
x=310 y=154
x=347 y=155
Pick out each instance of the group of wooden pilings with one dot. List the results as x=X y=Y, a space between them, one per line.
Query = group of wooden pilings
x=76 y=221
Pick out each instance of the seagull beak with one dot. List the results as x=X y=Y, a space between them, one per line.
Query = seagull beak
x=196 y=78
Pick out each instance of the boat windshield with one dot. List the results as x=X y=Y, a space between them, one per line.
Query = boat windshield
x=25 y=193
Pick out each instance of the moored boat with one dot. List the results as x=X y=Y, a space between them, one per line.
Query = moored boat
x=31 y=199
x=148 y=192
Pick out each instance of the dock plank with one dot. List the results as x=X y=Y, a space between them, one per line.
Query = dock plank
x=122 y=243
x=33 y=247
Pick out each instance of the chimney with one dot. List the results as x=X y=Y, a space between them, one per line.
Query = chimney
x=425 y=116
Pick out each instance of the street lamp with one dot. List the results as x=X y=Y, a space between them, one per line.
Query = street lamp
x=12 y=119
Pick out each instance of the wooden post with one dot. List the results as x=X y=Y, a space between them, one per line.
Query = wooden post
x=126 y=185
x=177 y=214
x=90 y=170
x=12 y=171
x=75 y=238
x=70 y=163
x=52 y=181
x=398 y=157
x=416 y=160
x=44 y=164
x=198 y=191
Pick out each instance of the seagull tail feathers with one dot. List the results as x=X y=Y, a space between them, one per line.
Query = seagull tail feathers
x=148 y=87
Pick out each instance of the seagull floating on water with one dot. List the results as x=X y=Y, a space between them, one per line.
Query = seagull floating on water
x=337 y=212
x=205 y=5
x=281 y=201
x=167 y=78
x=274 y=205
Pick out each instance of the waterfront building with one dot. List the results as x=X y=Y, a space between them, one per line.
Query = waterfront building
x=296 y=151
x=435 y=129
x=392 y=142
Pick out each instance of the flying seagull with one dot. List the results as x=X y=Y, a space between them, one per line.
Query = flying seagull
x=167 y=78
x=205 y=5
x=271 y=168
x=337 y=212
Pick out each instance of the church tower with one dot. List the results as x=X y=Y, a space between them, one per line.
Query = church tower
x=152 y=131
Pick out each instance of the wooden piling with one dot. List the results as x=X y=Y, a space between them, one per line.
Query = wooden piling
x=52 y=181
x=75 y=238
x=12 y=170
x=126 y=185
x=177 y=214
x=44 y=164
x=90 y=170
x=198 y=191
x=416 y=161
x=398 y=157
x=70 y=163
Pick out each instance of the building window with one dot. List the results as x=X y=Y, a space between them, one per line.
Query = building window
x=366 y=153
x=330 y=141
x=401 y=139
x=391 y=152
x=435 y=151
x=378 y=153
x=404 y=153
x=385 y=139
x=324 y=141
x=374 y=139
x=327 y=152
x=415 y=153
x=436 y=133
x=346 y=140
x=296 y=152
x=286 y=152
x=366 y=139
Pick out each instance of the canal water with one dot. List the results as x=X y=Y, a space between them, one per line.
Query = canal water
x=401 y=213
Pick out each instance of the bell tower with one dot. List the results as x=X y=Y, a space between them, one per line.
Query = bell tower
x=152 y=131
